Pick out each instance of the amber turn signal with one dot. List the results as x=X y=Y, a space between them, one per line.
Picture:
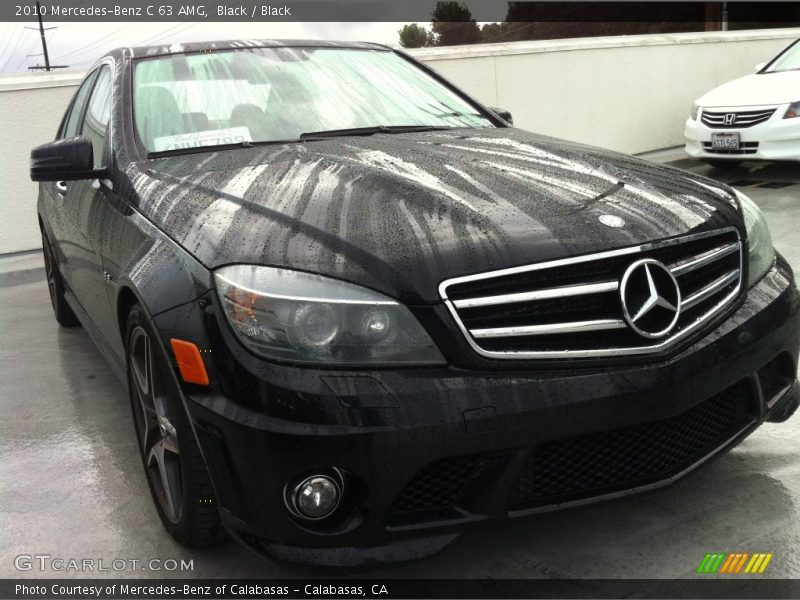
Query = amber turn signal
x=190 y=363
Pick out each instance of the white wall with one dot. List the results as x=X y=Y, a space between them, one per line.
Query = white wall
x=31 y=108
x=628 y=93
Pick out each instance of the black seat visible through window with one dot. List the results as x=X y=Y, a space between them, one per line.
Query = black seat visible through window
x=164 y=117
x=252 y=117
x=196 y=121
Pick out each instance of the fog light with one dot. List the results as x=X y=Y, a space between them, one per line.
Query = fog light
x=316 y=497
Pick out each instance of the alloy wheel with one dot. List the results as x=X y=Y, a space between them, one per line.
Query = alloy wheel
x=158 y=439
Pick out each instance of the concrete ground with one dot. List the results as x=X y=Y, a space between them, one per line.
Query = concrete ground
x=71 y=484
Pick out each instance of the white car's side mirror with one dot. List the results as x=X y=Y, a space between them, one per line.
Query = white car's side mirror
x=759 y=66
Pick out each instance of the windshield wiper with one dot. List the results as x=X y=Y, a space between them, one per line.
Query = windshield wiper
x=216 y=148
x=305 y=137
x=369 y=131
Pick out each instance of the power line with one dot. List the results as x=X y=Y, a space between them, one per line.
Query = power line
x=16 y=45
x=30 y=54
x=24 y=56
x=174 y=30
x=160 y=36
x=5 y=47
x=95 y=45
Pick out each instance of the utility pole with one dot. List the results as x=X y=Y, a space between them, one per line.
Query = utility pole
x=41 y=34
x=42 y=29
x=723 y=22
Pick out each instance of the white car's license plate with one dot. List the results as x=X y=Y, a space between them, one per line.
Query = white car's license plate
x=725 y=141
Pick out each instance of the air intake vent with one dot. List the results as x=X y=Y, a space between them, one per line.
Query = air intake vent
x=573 y=308
x=601 y=463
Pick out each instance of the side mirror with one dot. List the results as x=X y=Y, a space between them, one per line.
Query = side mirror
x=760 y=66
x=503 y=114
x=69 y=159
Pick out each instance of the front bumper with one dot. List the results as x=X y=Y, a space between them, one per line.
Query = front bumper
x=427 y=451
x=775 y=139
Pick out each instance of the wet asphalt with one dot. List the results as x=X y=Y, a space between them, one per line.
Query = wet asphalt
x=72 y=486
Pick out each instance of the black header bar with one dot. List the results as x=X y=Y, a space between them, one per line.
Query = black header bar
x=401 y=11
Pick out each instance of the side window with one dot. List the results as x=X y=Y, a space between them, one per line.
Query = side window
x=95 y=123
x=70 y=128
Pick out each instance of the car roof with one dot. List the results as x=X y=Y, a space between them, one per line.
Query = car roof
x=176 y=48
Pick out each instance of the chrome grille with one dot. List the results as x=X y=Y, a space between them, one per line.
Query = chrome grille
x=735 y=119
x=571 y=308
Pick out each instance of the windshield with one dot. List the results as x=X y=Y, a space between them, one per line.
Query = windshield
x=278 y=94
x=788 y=61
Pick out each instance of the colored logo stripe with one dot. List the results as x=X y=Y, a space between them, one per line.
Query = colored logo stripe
x=721 y=562
x=711 y=562
x=758 y=563
x=735 y=562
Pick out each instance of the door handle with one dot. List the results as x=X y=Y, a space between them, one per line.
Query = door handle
x=61 y=186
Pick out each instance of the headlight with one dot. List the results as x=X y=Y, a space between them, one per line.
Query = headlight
x=759 y=241
x=695 y=112
x=793 y=110
x=299 y=317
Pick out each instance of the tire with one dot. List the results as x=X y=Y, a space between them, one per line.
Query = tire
x=175 y=471
x=722 y=164
x=55 y=285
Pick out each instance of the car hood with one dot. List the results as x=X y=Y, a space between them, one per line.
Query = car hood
x=755 y=90
x=402 y=212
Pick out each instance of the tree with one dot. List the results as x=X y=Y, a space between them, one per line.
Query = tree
x=453 y=25
x=414 y=36
x=495 y=33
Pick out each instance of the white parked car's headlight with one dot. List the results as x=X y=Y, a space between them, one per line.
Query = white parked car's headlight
x=793 y=110
x=299 y=317
x=695 y=112
x=762 y=253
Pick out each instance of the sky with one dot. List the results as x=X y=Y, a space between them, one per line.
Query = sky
x=80 y=44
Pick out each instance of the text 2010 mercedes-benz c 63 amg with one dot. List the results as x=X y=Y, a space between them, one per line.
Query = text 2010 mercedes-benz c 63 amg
x=356 y=310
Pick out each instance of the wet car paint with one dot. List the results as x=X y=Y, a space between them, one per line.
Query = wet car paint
x=402 y=212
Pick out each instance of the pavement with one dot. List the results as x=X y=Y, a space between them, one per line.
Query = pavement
x=71 y=482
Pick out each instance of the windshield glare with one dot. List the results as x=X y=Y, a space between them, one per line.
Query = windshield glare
x=789 y=61
x=275 y=94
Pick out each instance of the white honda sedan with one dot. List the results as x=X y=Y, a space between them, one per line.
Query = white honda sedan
x=755 y=117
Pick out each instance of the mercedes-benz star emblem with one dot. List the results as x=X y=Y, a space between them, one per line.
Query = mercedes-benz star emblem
x=651 y=298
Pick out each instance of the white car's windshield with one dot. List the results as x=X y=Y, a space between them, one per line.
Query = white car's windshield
x=255 y=95
x=788 y=61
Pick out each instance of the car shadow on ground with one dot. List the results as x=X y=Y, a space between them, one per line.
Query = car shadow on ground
x=785 y=172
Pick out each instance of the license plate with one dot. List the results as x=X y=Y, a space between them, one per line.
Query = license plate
x=725 y=141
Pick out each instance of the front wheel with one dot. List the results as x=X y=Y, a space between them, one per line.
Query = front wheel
x=176 y=474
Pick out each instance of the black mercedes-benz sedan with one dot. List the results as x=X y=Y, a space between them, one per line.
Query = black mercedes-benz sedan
x=357 y=311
